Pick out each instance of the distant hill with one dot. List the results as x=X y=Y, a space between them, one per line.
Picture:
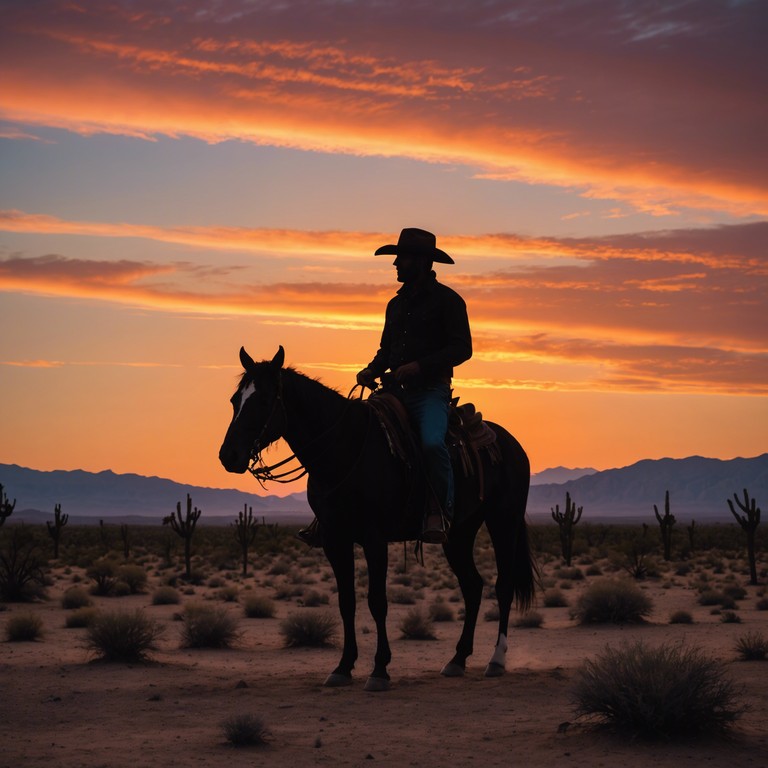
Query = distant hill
x=93 y=495
x=560 y=475
x=698 y=487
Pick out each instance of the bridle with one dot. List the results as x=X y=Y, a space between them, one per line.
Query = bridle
x=266 y=473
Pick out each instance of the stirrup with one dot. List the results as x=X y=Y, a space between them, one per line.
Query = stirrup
x=311 y=535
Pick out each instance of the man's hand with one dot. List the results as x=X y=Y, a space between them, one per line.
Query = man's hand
x=366 y=378
x=407 y=372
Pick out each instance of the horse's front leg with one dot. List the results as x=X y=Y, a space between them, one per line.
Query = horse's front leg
x=341 y=557
x=376 y=555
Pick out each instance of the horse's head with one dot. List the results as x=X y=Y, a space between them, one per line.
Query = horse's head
x=259 y=416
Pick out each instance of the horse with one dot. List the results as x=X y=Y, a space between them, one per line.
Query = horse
x=358 y=490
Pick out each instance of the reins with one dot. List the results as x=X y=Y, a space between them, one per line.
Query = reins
x=264 y=473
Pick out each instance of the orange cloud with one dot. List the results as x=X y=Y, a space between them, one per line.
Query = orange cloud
x=657 y=120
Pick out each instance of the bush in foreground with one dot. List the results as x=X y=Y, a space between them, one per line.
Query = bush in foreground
x=244 y=730
x=657 y=693
x=611 y=601
x=122 y=636
x=309 y=628
x=208 y=626
x=81 y=617
x=23 y=627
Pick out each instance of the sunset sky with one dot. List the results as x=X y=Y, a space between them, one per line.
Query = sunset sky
x=178 y=179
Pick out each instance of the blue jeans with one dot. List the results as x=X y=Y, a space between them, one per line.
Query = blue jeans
x=429 y=408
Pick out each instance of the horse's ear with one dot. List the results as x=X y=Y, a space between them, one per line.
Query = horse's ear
x=279 y=359
x=246 y=360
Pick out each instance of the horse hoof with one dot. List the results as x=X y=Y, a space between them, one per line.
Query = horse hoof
x=494 y=670
x=451 y=669
x=377 y=684
x=336 y=680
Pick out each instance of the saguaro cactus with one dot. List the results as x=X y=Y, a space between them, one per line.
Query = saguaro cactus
x=55 y=527
x=692 y=534
x=185 y=527
x=567 y=521
x=666 y=523
x=6 y=507
x=749 y=522
x=246 y=528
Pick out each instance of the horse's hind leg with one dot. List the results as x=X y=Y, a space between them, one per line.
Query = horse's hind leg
x=459 y=552
x=514 y=576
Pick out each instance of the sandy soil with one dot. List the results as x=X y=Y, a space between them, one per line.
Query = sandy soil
x=61 y=707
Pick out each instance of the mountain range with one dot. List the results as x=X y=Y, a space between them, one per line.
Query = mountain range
x=699 y=488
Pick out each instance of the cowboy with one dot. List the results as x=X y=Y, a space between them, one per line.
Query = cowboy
x=426 y=335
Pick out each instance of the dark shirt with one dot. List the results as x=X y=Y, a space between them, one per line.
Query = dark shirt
x=426 y=323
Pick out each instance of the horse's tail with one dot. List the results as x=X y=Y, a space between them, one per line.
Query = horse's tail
x=525 y=571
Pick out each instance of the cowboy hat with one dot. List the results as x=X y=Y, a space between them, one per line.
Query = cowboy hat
x=416 y=242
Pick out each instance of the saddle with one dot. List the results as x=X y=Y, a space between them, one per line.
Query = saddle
x=467 y=435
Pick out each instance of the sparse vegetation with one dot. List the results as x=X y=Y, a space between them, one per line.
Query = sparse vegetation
x=81 y=617
x=417 y=625
x=309 y=628
x=245 y=730
x=658 y=693
x=753 y=646
x=75 y=597
x=23 y=627
x=681 y=617
x=258 y=607
x=166 y=595
x=529 y=620
x=22 y=576
x=612 y=601
x=122 y=636
x=208 y=626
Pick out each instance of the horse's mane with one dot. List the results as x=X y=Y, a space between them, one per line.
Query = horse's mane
x=246 y=376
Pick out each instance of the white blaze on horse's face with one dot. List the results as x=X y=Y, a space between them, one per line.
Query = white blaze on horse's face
x=244 y=395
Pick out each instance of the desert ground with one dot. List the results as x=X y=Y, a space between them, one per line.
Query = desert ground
x=60 y=705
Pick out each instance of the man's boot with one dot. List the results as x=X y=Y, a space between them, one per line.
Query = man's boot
x=311 y=535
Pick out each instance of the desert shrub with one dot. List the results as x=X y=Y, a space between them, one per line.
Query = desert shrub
x=134 y=577
x=762 y=604
x=612 y=602
x=244 y=730
x=594 y=570
x=166 y=596
x=208 y=626
x=228 y=594
x=752 y=647
x=571 y=574
x=710 y=597
x=665 y=692
x=554 y=598
x=401 y=596
x=529 y=620
x=735 y=592
x=417 y=625
x=22 y=575
x=309 y=628
x=75 y=597
x=312 y=598
x=103 y=573
x=492 y=613
x=23 y=627
x=81 y=617
x=122 y=636
x=681 y=617
x=730 y=617
x=258 y=607
x=441 y=611
x=216 y=582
